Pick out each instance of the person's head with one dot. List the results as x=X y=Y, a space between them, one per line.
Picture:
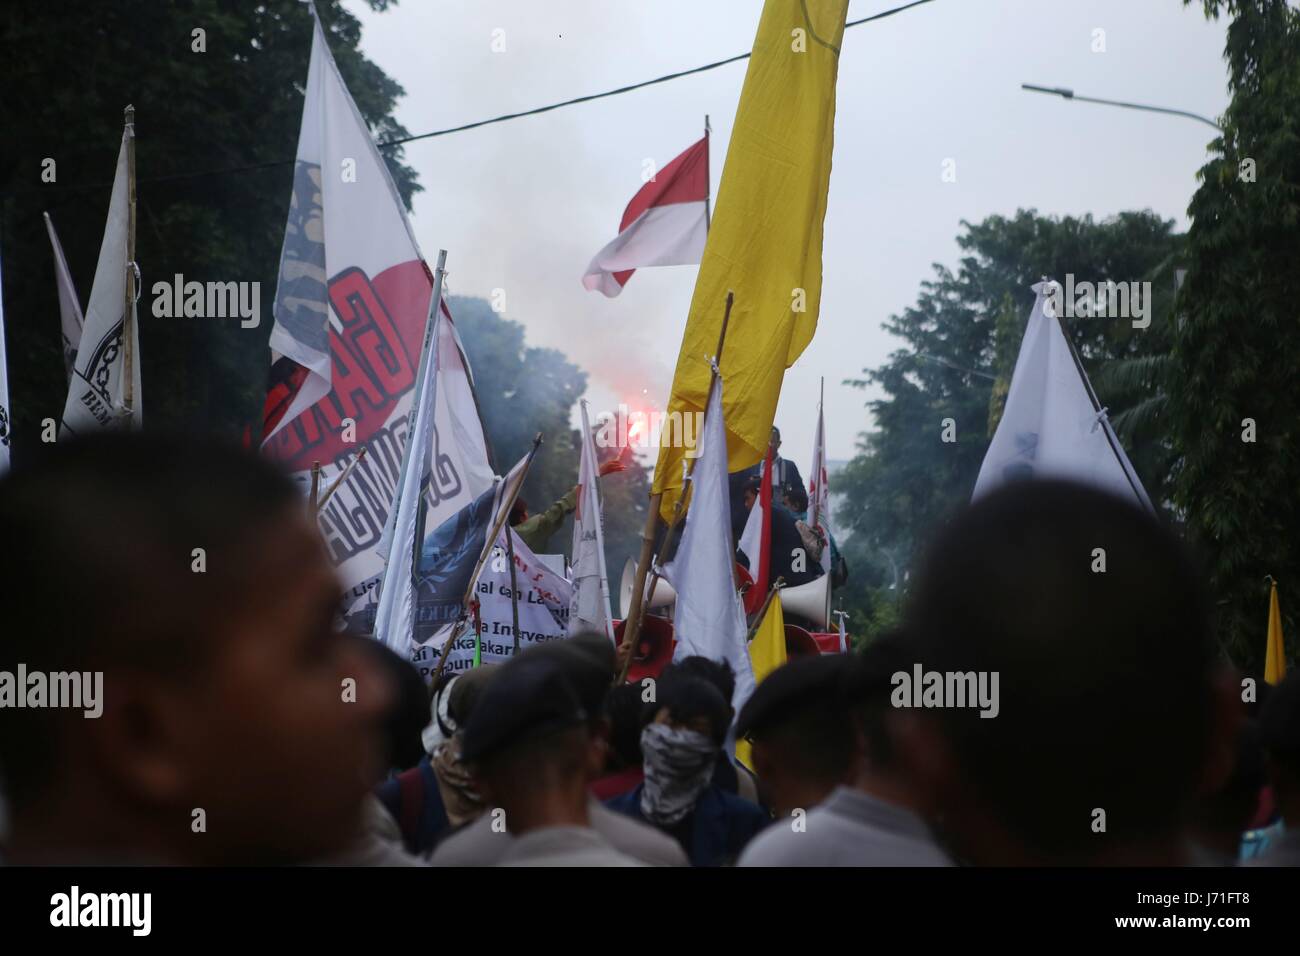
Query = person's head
x=589 y=663
x=408 y=711
x=717 y=673
x=1222 y=816
x=680 y=745
x=1280 y=731
x=795 y=499
x=750 y=490
x=1108 y=713
x=689 y=702
x=798 y=728
x=518 y=512
x=776 y=440
x=529 y=745
x=189 y=575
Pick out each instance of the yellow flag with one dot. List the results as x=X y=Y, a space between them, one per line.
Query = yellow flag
x=1274 y=659
x=765 y=241
x=766 y=654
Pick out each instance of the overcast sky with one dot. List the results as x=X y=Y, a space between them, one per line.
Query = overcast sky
x=522 y=206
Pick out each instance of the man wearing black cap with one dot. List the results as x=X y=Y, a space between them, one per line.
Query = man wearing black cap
x=588 y=662
x=528 y=743
x=798 y=725
x=877 y=819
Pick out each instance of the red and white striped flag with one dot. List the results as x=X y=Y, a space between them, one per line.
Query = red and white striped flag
x=665 y=224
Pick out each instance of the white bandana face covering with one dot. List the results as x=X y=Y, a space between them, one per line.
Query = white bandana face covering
x=678 y=766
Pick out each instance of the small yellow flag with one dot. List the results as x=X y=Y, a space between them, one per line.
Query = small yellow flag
x=1274 y=655
x=765 y=242
x=766 y=654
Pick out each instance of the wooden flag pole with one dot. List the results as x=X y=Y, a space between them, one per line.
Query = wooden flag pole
x=636 y=613
x=708 y=214
x=777 y=585
x=312 y=498
x=503 y=514
x=128 y=316
x=514 y=590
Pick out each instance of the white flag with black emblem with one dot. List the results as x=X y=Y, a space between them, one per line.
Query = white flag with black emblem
x=105 y=387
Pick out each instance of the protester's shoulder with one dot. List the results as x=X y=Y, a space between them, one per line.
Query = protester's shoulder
x=474 y=844
x=635 y=838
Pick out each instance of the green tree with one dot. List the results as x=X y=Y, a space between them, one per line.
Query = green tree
x=1237 y=349
x=216 y=134
x=960 y=344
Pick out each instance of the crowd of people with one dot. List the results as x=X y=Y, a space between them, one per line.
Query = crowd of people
x=239 y=725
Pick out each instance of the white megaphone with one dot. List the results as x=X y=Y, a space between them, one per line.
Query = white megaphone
x=811 y=600
x=664 y=595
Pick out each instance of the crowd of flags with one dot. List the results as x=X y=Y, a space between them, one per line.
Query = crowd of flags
x=352 y=277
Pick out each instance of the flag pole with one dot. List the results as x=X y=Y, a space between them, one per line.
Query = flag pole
x=514 y=590
x=502 y=515
x=1101 y=412
x=821 y=420
x=338 y=482
x=314 y=496
x=128 y=315
x=636 y=613
x=777 y=585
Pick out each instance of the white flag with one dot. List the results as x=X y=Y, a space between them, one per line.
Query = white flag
x=543 y=602
x=71 y=319
x=6 y=421
x=351 y=306
x=590 y=608
x=1051 y=427
x=709 y=620
x=97 y=394
x=819 y=488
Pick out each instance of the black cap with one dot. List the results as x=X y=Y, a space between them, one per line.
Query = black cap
x=528 y=697
x=587 y=660
x=802 y=683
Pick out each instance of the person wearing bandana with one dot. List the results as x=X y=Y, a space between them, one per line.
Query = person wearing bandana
x=680 y=744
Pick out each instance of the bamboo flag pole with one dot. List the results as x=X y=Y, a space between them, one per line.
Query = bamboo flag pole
x=503 y=512
x=128 y=316
x=636 y=613
x=338 y=482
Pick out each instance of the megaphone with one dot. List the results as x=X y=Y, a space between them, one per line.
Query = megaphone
x=654 y=647
x=664 y=595
x=811 y=601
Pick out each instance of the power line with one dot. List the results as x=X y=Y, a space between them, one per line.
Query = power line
x=505 y=117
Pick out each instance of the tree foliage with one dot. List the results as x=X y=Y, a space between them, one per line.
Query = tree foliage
x=229 y=114
x=1236 y=353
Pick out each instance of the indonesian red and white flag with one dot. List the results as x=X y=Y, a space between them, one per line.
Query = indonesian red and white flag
x=351 y=310
x=665 y=224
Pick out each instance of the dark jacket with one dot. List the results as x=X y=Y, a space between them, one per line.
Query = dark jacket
x=712 y=834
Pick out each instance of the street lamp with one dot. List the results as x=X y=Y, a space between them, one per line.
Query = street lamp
x=1070 y=95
